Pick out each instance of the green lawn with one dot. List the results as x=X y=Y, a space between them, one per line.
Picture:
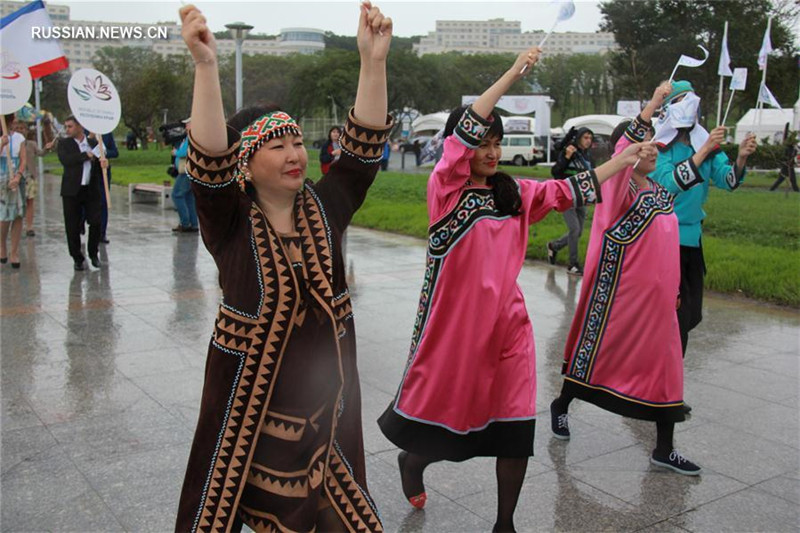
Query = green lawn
x=751 y=237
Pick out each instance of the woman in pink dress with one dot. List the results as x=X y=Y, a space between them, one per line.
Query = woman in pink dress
x=469 y=388
x=623 y=352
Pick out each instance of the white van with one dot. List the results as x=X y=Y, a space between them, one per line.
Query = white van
x=520 y=149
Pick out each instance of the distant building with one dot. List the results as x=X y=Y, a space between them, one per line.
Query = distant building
x=499 y=36
x=80 y=52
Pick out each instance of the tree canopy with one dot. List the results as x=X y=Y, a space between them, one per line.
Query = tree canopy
x=652 y=36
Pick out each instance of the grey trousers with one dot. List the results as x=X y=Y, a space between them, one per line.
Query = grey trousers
x=574 y=218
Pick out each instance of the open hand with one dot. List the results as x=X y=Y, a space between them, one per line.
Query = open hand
x=374 y=33
x=198 y=37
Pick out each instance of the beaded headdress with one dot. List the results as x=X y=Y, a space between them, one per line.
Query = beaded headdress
x=269 y=126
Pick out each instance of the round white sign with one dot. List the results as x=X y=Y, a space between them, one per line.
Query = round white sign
x=15 y=84
x=94 y=100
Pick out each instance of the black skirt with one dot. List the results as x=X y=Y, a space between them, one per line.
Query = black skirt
x=498 y=439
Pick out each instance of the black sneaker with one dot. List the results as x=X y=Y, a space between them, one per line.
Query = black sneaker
x=551 y=254
x=80 y=266
x=686 y=408
x=677 y=463
x=574 y=270
x=95 y=262
x=559 y=423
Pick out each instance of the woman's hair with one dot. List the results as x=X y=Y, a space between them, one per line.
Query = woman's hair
x=618 y=132
x=507 y=200
x=247 y=115
x=336 y=128
x=495 y=129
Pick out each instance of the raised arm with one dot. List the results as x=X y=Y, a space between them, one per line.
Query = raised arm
x=485 y=103
x=344 y=187
x=208 y=117
x=374 y=38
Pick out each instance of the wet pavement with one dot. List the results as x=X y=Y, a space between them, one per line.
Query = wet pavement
x=102 y=373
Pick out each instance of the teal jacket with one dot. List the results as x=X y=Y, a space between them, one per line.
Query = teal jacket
x=679 y=175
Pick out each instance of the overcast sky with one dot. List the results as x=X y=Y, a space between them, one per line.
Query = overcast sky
x=410 y=18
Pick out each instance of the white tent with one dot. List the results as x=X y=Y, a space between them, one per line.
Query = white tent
x=428 y=125
x=770 y=124
x=600 y=124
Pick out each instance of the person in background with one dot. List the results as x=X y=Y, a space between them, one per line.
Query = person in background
x=787 y=165
x=182 y=194
x=81 y=190
x=331 y=149
x=12 y=191
x=111 y=153
x=573 y=159
x=387 y=153
x=32 y=151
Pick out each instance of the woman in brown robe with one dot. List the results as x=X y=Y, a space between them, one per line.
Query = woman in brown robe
x=278 y=444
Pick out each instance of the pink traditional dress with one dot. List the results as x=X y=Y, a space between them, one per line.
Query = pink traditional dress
x=623 y=352
x=469 y=388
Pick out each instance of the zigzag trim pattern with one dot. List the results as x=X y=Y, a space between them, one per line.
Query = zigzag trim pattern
x=356 y=510
x=211 y=170
x=365 y=142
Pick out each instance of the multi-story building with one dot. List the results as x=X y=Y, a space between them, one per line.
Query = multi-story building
x=162 y=37
x=499 y=36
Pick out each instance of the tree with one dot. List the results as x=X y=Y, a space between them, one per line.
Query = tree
x=54 y=93
x=147 y=84
x=652 y=35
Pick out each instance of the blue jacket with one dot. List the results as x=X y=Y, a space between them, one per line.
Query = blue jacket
x=678 y=174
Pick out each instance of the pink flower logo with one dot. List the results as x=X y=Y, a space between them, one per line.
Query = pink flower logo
x=94 y=87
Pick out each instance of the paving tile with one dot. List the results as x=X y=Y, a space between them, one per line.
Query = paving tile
x=746 y=510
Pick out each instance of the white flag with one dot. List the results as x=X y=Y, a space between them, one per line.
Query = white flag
x=739 y=80
x=724 y=58
x=565 y=10
x=766 y=47
x=686 y=61
x=766 y=97
x=41 y=56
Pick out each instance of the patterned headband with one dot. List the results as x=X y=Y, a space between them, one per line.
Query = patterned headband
x=266 y=127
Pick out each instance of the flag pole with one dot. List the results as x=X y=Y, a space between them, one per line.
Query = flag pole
x=727 y=109
x=721 y=78
x=759 y=103
x=37 y=86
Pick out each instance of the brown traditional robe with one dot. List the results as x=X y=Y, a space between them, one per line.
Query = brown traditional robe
x=279 y=432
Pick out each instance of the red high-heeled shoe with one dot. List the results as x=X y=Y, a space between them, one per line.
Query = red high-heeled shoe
x=419 y=500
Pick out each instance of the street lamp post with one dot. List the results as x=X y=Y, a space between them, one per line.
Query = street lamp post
x=239 y=32
x=550 y=103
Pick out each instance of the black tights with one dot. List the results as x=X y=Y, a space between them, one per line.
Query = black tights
x=664 y=430
x=510 y=475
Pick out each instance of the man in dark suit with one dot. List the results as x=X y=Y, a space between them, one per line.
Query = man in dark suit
x=81 y=190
